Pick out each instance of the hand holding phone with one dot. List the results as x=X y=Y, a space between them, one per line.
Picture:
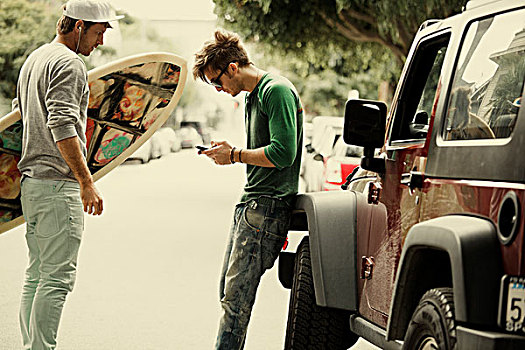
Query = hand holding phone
x=201 y=148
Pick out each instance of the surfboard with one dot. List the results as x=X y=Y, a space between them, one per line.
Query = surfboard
x=129 y=100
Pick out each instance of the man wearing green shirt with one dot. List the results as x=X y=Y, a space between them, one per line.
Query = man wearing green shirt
x=274 y=126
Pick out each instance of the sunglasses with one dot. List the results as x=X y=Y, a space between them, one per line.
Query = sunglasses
x=216 y=81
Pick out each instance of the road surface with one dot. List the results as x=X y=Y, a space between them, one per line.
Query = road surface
x=149 y=266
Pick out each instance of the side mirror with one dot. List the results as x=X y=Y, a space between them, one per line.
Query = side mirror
x=421 y=117
x=365 y=125
x=419 y=126
x=318 y=157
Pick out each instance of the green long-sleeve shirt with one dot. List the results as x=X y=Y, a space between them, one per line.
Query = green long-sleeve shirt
x=274 y=120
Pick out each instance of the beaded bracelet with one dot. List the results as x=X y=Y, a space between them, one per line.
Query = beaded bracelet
x=231 y=155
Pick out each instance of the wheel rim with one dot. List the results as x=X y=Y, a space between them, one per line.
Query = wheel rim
x=429 y=343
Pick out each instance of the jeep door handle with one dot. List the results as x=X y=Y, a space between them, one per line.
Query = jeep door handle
x=413 y=180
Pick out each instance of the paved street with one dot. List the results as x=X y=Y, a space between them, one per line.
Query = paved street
x=149 y=266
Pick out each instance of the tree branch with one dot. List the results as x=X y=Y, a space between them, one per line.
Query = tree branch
x=350 y=24
x=359 y=16
x=354 y=34
x=404 y=37
x=348 y=30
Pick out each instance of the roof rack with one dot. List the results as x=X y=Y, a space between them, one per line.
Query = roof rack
x=472 y=4
x=427 y=23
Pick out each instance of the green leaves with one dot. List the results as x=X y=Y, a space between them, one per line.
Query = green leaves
x=291 y=24
x=363 y=41
x=24 y=25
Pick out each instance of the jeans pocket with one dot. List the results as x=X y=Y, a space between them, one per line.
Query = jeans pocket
x=271 y=247
x=254 y=218
x=276 y=227
x=76 y=212
x=52 y=232
x=45 y=214
x=76 y=226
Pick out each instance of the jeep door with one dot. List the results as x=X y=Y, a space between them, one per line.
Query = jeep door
x=394 y=197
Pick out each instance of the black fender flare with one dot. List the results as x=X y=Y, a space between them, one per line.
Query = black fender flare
x=332 y=220
x=472 y=246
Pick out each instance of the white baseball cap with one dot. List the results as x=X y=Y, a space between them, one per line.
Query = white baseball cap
x=90 y=10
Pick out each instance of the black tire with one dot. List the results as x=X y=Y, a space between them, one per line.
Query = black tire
x=310 y=326
x=433 y=324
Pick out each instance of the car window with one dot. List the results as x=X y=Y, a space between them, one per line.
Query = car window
x=328 y=140
x=426 y=101
x=419 y=92
x=354 y=151
x=487 y=89
x=188 y=131
x=341 y=149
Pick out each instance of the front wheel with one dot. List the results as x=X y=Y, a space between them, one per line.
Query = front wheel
x=433 y=324
x=309 y=325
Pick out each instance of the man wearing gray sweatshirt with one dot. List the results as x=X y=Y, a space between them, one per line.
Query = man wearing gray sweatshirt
x=57 y=186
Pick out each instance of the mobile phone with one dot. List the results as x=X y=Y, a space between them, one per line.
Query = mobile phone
x=201 y=148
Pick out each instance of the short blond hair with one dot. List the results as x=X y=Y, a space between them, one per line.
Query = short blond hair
x=226 y=47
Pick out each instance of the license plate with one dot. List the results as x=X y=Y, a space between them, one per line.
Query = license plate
x=512 y=304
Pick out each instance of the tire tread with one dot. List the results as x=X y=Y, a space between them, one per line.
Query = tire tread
x=437 y=302
x=309 y=325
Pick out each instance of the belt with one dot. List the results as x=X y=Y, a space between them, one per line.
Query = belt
x=272 y=202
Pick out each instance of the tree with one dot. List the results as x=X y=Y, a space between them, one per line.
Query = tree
x=507 y=93
x=364 y=42
x=320 y=25
x=324 y=91
x=24 y=26
x=27 y=24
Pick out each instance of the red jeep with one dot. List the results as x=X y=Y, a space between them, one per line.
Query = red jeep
x=426 y=248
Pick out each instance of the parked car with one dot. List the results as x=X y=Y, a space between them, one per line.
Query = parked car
x=142 y=154
x=189 y=137
x=426 y=248
x=161 y=143
x=340 y=163
x=201 y=129
x=325 y=133
x=172 y=140
x=308 y=129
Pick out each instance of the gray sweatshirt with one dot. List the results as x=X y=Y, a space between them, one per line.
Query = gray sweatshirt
x=53 y=95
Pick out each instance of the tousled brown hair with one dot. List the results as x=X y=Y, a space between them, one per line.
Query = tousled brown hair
x=226 y=47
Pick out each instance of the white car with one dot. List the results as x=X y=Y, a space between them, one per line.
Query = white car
x=161 y=143
x=326 y=131
x=170 y=142
x=143 y=153
x=189 y=137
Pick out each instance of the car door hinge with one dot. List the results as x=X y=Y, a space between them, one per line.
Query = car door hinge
x=367 y=267
x=374 y=192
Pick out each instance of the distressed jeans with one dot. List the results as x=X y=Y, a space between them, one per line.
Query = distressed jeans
x=257 y=235
x=54 y=215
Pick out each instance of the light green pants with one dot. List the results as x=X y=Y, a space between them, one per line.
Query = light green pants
x=55 y=220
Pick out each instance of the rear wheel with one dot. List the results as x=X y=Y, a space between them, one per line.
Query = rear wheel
x=310 y=326
x=433 y=324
